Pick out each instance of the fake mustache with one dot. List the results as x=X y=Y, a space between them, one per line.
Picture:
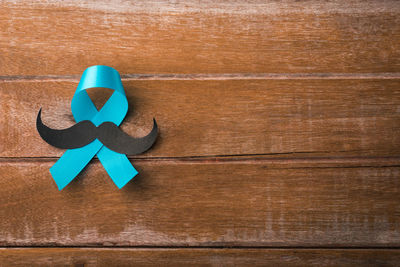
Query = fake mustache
x=85 y=132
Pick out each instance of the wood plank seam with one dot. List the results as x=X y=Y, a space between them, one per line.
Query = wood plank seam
x=196 y=257
x=212 y=77
x=354 y=162
x=217 y=247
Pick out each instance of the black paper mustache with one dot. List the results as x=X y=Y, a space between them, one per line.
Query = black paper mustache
x=85 y=132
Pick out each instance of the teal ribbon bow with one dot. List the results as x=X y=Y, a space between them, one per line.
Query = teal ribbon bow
x=114 y=110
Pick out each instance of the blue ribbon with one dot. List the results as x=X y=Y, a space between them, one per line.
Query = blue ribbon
x=114 y=110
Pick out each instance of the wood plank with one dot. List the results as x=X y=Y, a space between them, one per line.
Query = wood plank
x=202 y=203
x=207 y=118
x=164 y=36
x=197 y=257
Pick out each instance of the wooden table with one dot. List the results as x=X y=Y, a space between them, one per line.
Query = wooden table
x=279 y=133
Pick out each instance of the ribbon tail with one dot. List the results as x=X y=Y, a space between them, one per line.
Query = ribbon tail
x=117 y=165
x=72 y=163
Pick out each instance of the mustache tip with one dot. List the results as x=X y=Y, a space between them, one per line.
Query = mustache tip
x=38 y=118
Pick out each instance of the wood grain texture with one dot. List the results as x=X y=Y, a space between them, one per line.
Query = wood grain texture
x=64 y=37
x=197 y=257
x=189 y=203
x=206 y=118
x=279 y=128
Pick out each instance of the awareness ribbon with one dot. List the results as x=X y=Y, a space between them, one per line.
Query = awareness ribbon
x=114 y=110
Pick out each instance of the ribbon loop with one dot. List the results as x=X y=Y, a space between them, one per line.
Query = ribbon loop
x=114 y=110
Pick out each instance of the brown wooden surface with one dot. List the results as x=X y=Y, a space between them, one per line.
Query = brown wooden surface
x=64 y=37
x=201 y=203
x=197 y=257
x=205 y=118
x=279 y=132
